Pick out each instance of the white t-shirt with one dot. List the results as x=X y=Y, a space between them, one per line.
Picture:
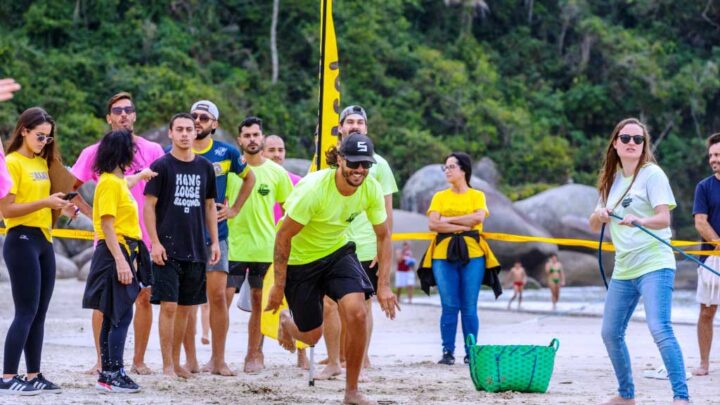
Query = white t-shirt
x=636 y=252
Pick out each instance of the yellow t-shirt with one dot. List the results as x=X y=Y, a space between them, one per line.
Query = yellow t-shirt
x=450 y=204
x=31 y=182
x=113 y=198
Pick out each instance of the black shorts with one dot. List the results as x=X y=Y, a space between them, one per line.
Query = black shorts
x=335 y=275
x=179 y=281
x=371 y=273
x=239 y=269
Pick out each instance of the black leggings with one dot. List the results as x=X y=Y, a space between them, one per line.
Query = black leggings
x=30 y=261
x=112 y=341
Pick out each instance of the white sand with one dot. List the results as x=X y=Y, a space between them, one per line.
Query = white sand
x=404 y=354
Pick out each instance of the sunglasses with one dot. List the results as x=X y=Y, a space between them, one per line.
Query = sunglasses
x=448 y=167
x=355 y=165
x=202 y=117
x=119 y=110
x=638 y=139
x=44 y=138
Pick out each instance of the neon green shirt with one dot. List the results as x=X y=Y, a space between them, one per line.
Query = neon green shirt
x=361 y=231
x=637 y=253
x=326 y=214
x=252 y=231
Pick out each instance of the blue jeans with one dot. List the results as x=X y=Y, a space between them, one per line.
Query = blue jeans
x=459 y=286
x=622 y=298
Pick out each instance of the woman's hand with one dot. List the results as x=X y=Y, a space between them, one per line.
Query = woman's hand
x=603 y=214
x=124 y=273
x=56 y=202
x=631 y=220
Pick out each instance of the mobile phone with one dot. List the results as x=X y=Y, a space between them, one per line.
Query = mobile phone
x=69 y=196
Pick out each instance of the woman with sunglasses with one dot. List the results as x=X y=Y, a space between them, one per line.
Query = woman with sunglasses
x=633 y=187
x=28 y=249
x=459 y=255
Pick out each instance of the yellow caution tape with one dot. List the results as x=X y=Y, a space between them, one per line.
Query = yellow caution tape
x=503 y=237
x=66 y=234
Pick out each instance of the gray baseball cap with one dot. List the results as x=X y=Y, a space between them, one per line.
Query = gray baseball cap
x=350 y=110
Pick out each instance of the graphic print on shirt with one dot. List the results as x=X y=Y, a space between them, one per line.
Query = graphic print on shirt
x=187 y=191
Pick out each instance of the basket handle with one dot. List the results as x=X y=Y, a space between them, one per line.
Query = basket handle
x=555 y=344
x=470 y=340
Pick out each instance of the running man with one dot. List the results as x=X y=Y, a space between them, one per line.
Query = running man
x=179 y=207
x=354 y=119
x=121 y=114
x=706 y=210
x=225 y=159
x=252 y=232
x=314 y=256
x=274 y=149
x=519 y=278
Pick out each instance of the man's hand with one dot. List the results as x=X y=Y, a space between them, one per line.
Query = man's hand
x=214 y=253
x=388 y=301
x=275 y=299
x=222 y=211
x=124 y=273
x=232 y=212
x=158 y=254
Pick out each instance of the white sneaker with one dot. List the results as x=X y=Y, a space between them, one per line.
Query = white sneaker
x=661 y=374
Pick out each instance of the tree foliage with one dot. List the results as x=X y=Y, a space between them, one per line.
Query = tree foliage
x=537 y=86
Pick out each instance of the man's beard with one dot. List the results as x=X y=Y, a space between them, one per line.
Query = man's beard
x=203 y=134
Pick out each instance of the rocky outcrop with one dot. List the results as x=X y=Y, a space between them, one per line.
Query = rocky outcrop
x=297 y=166
x=563 y=210
x=424 y=183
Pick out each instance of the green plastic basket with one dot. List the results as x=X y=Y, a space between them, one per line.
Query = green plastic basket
x=522 y=368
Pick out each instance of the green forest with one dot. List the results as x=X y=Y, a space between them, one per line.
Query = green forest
x=535 y=85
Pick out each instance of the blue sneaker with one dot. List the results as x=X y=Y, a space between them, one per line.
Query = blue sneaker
x=47 y=387
x=17 y=386
x=116 y=382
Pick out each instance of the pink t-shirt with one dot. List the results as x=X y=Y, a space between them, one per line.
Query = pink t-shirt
x=145 y=153
x=294 y=178
x=5 y=180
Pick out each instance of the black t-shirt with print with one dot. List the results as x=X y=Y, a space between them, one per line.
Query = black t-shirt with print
x=181 y=189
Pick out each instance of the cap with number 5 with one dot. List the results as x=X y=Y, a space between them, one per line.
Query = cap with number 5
x=357 y=148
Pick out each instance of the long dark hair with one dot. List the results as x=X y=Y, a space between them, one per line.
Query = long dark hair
x=30 y=119
x=116 y=149
x=465 y=164
x=612 y=161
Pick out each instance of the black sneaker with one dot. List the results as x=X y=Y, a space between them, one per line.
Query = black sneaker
x=47 y=387
x=17 y=386
x=103 y=382
x=466 y=359
x=447 y=358
x=119 y=382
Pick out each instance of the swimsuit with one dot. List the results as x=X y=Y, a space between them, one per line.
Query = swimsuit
x=555 y=280
x=518 y=283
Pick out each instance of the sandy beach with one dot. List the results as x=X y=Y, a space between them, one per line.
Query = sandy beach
x=404 y=353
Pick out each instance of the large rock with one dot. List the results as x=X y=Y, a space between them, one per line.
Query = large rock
x=423 y=184
x=297 y=166
x=582 y=269
x=59 y=247
x=4 y=276
x=84 y=271
x=160 y=135
x=87 y=191
x=75 y=246
x=410 y=222
x=563 y=211
x=83 y=257
x=486 y=169
x=65 y=268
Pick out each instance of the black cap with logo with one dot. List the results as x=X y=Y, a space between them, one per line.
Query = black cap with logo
x=357 y=147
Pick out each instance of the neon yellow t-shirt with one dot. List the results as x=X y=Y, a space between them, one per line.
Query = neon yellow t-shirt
x=113 y=198
x=252 y=231
x=450 y=204
x=326 y=214
x=30 y=182
x=361 y=231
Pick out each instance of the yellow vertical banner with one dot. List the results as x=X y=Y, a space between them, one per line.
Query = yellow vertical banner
x=329 y=97
x=326 y=137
